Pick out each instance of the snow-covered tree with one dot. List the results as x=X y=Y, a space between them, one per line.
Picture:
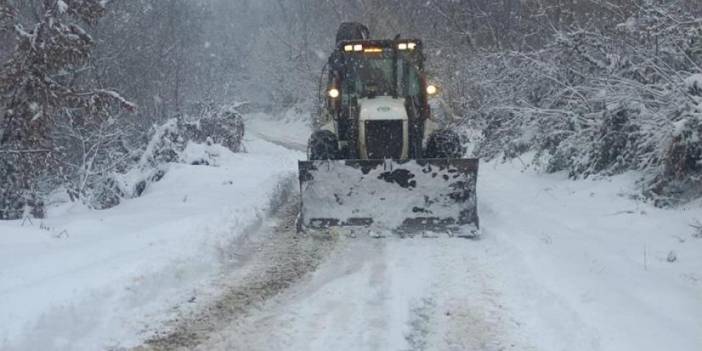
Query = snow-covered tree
x=589 y=87
x=601 y=99
x=40 y=88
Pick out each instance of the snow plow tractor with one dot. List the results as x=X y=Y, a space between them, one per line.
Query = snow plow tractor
x=377 y=158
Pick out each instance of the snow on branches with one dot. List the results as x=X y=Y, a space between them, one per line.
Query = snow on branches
x=41 y=88
x=7 y=14
x=87 y=10
x=603 y=100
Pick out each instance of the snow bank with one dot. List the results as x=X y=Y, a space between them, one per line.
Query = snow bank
x=584 y=265
x=87 y=280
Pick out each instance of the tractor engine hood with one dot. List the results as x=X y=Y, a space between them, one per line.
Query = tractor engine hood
x=382 y=108
x=383 y=128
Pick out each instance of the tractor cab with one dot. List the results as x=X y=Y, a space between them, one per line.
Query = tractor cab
x=379 y=83
x=369 y=68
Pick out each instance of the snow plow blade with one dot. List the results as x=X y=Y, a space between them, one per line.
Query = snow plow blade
x=408 y=196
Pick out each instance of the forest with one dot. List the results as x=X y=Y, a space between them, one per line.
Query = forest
x=590 y=87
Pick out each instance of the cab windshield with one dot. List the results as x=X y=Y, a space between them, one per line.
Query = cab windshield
x=373 y=75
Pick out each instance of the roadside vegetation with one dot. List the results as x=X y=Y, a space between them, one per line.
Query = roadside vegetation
x=592 y=88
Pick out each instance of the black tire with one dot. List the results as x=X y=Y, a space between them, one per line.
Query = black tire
x=323 y=145
x=352 y=31
x=444 y=144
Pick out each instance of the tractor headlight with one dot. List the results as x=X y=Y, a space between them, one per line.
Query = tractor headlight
x=334 y=93
x=432 y=90
x=406 y=46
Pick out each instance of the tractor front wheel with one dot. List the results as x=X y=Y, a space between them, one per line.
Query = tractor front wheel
x=444 y=144
x=323 y=145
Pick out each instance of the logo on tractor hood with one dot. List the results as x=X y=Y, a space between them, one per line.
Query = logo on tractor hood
x=382 y=108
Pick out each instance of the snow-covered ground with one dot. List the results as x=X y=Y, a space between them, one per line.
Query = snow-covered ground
x=562 y=265
x=291 y=130
x=581 y=266
x=87 y=280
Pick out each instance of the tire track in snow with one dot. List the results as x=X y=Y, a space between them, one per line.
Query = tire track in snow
x=460 y=308
x=382 y=294
x=420 y=325
x=312 y=317
x=269 y=263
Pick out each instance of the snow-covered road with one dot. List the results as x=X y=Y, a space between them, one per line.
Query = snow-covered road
x=86 y=280
x=388 y=294
x=561 y=265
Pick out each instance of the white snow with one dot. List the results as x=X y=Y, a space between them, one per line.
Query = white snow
x=561 y=265
x=629 y=25
x=679 y=127
x=694 y=81
x=290 y=129
x=86 y=280
x=584 y=267
x=62 y=6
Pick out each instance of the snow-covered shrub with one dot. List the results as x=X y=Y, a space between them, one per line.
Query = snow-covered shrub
x=609 y=147
x=168 y=144
x=601 y=101
x=498 y=128
x=109 y=169
x=165 y=144
x=225 y=127
x=681 y=178
x=612 y=150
